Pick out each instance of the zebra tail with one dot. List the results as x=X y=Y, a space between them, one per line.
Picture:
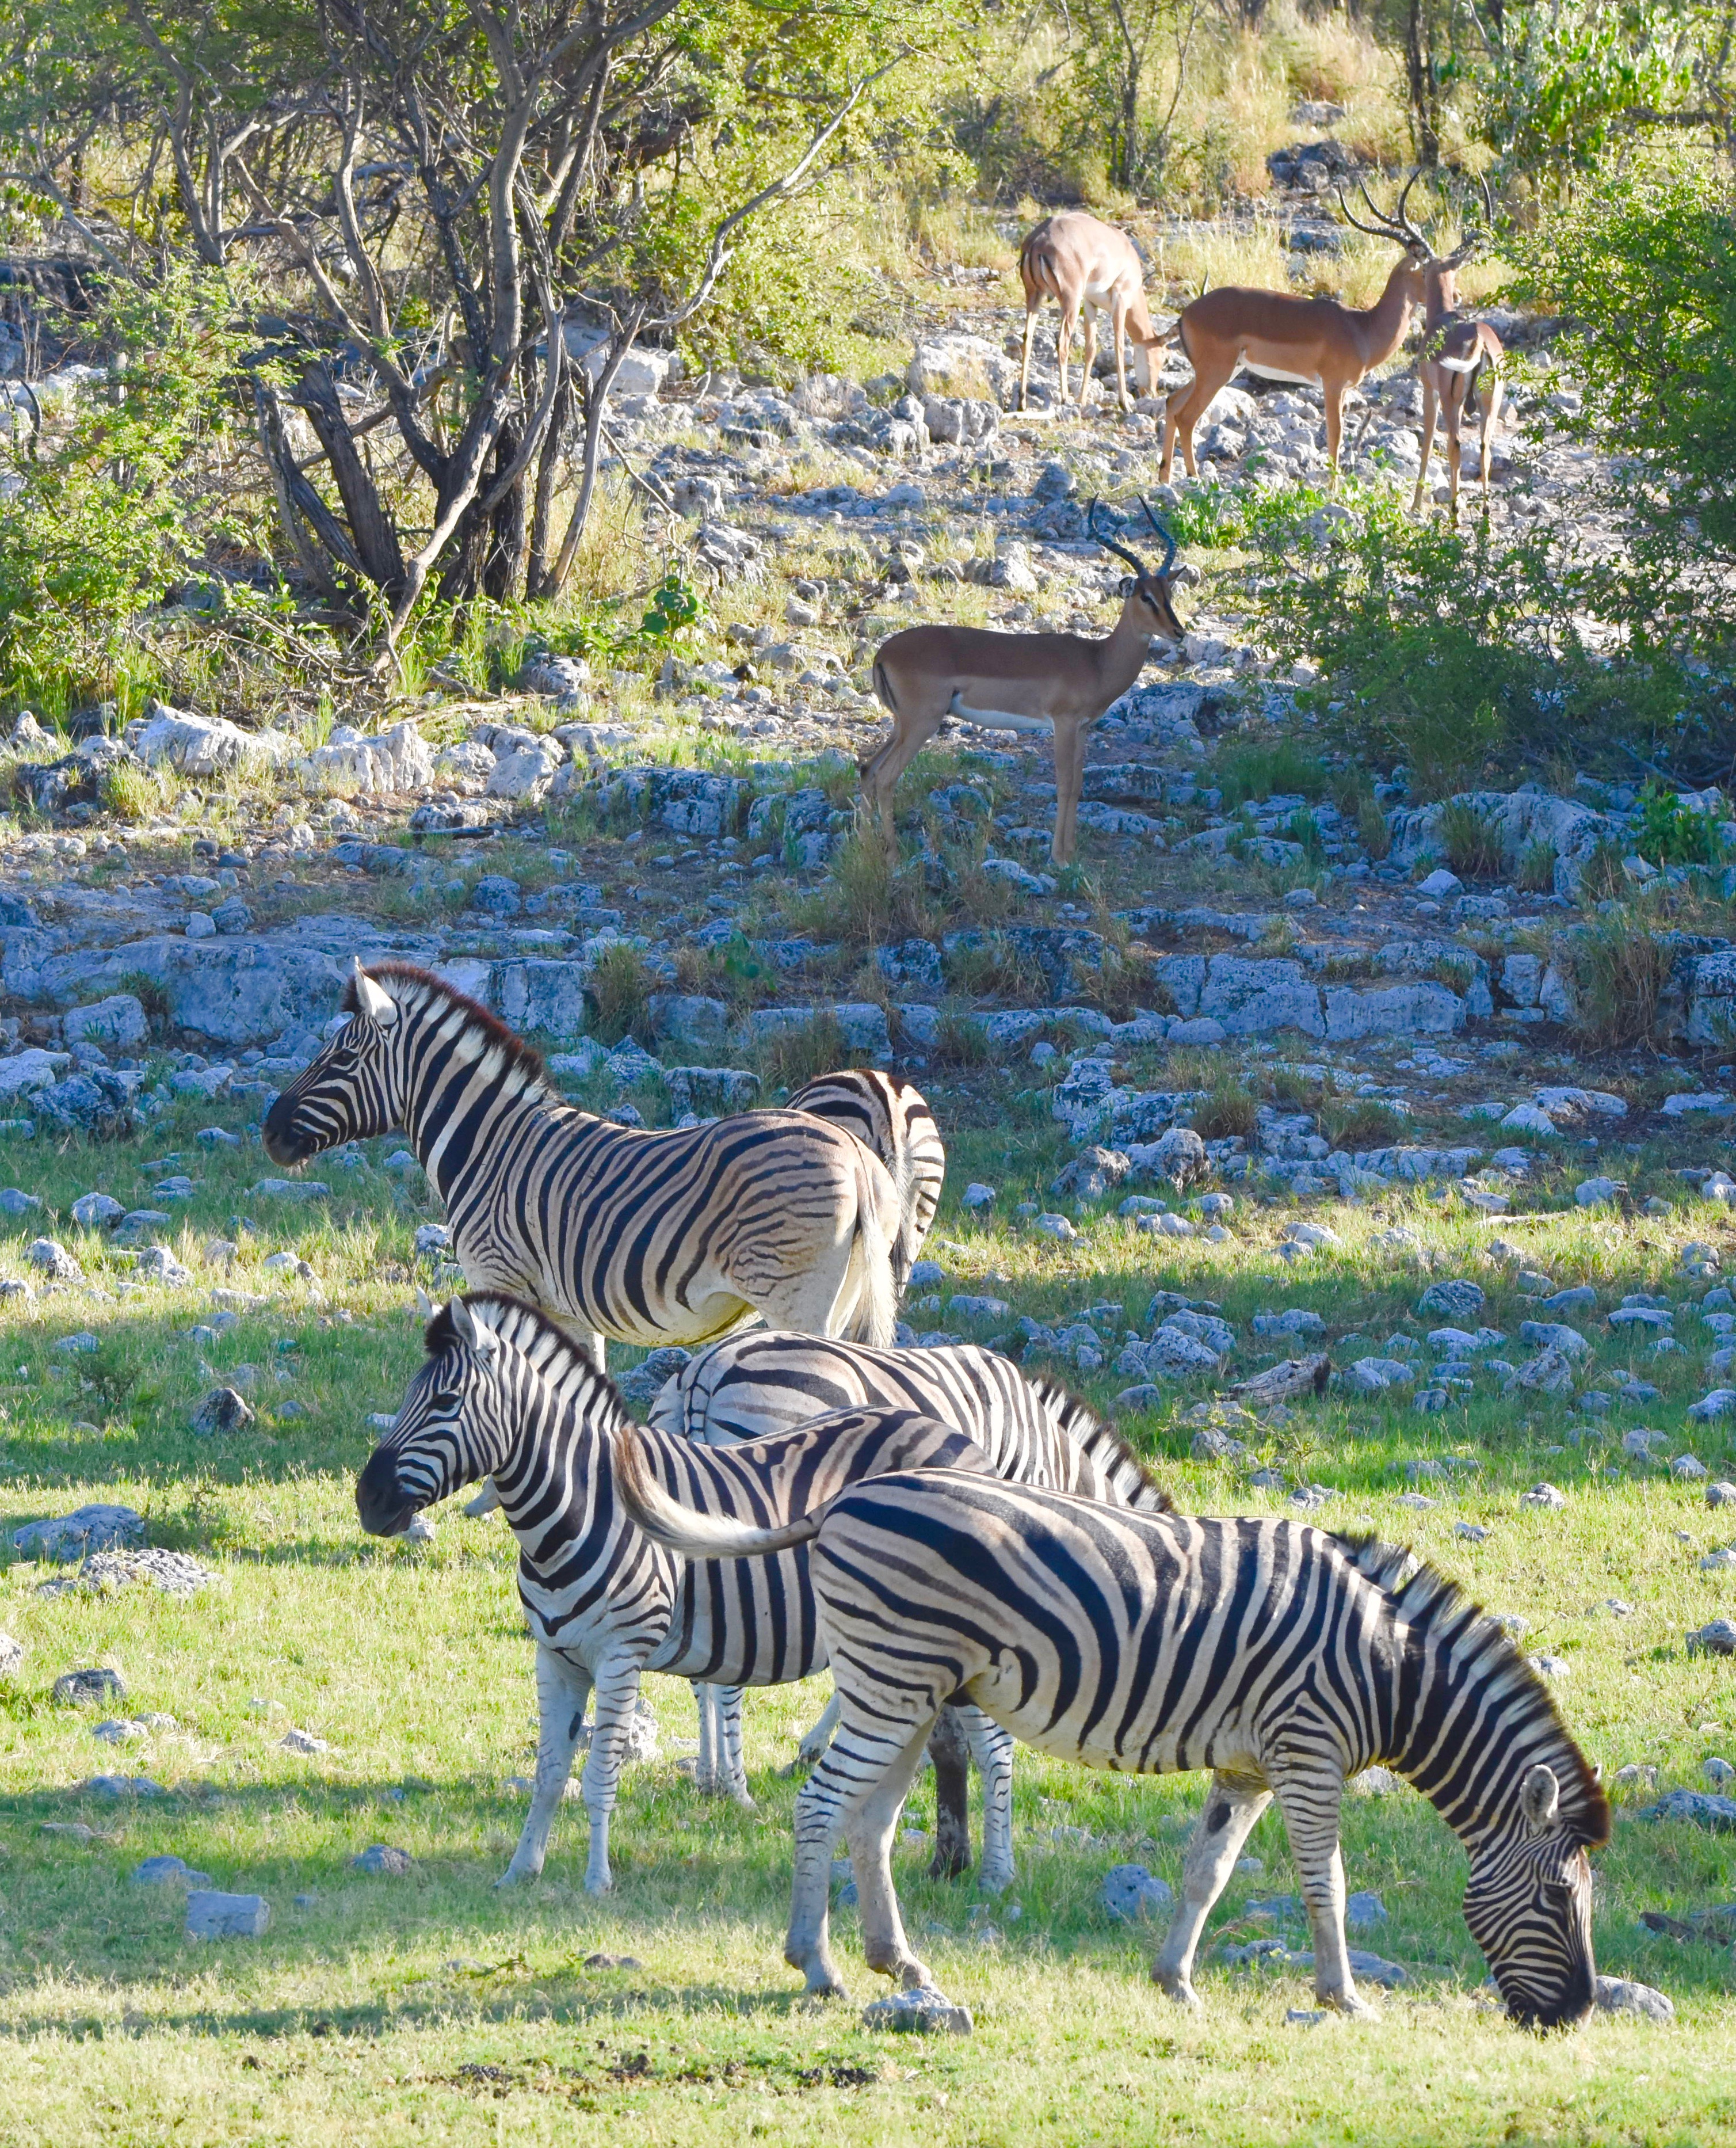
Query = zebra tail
x=666 y=1521
x=873 y=1258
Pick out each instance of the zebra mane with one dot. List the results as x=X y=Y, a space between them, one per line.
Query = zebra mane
x=423 y=986
x=1425 y=1597
x=552 y=1352
x=1080 y=1423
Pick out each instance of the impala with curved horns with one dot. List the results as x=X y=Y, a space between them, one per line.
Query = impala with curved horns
x=1317 y=342
x=1457 y=350
x=1020 y=682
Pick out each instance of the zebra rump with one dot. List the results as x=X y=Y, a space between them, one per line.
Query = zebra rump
x=890 y=1116
x=649 y=1237
x=1282 y=1658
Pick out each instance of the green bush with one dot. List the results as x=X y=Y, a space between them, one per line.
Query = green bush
x=1472 y=845
x=1671 y=833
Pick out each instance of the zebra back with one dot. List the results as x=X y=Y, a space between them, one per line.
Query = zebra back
x=1033 y=1431
x=892 y=1118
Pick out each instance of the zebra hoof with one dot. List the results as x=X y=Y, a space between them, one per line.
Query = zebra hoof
x=992 y=1879
x=1178 y=1987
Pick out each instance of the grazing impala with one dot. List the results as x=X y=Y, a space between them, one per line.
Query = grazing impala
x=1456 y=350
x=1019 y=682
x=1316 y=341
x=1078 y=261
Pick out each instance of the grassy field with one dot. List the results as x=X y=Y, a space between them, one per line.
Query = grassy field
x=397 y=2009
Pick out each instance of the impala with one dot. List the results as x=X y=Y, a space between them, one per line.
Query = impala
x=1078 y=261
x=1456 y=351
x=1316 y=341
x=1020 y=682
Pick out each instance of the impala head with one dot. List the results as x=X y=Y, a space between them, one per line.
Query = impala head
x=1421 y=268
x=349 y=1092
x=449 y=1429
x=1528 y=1905
x=1151 y=587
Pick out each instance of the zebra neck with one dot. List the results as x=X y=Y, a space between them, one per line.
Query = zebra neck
x=559 y=1466
x=1467 y=1718
x=463 y=1096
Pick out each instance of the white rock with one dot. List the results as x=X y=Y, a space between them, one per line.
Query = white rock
x=1617 y=1994
x=202 y=745
x=386 y=764
x=1595 y=1192
x=524 y=776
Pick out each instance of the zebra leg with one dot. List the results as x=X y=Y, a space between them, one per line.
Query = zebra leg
x=1233 y=1805
x=868 y=1827
x=562 y=1688
x=733 y=1767
x=617 y=1690
x=810 y=1748
x=951 y=1753
x=706 y=1767
x=485 y=1501
x=850 y=1771
x=991 y=1748
x=1310 y=1800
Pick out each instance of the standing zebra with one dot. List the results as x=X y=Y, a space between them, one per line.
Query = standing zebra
x=1031 y=1429
x=1283 y=1658
x=891 y=1116
x=503 y=1392
x=648 y=1237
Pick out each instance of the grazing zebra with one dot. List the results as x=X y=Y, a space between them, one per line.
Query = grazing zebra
x=503 y=1392
x=1283 y=1658
x=892 y=1116
x=1030 y=1429
x=648 y=1237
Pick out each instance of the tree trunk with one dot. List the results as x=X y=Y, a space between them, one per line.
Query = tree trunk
x=1418 y=56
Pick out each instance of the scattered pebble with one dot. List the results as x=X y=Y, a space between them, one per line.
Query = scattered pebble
x=924 y=2012
x=211 y=1915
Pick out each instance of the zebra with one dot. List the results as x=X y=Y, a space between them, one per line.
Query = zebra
x=648 y=1237
x=504 y=1392
x=1033 y=1431
x=1284 y=1659
x=891 y=1116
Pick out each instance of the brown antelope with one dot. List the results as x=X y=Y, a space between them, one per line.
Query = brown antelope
x=1019 y=682
x=1078 y=261
x=1456 y=351
x=1316 y=341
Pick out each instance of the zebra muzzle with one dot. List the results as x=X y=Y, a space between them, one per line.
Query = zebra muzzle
x=383 y=1504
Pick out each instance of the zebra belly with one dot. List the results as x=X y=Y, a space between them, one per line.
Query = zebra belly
x=1139 y=1749
x=744 y=1621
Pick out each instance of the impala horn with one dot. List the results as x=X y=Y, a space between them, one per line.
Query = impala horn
x=1109 y=545
x=1398 y=227
x=1170 y=546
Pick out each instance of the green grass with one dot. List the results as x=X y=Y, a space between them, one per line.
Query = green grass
x=359 y=2012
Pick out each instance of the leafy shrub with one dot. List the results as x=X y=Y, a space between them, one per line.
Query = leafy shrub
x=1472 y=843
x=1673 y=834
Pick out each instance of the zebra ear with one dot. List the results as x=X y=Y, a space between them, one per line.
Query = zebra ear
x=1539 y=1798
x=474 y=1334
x=373 y=1001
x=424 y=1306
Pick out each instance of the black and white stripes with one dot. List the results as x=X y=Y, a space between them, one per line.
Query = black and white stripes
x=646 y=1238
x=1282 y=1659
x=504 y=1392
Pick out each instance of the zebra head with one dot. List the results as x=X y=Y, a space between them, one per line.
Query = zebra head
x=1528 y=1906
x=455 y=1424
x=351 y=1091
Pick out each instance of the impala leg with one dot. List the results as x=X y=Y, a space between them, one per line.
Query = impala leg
x=1233 y=1805
x=1070 y=744
x=1334 y=428
x=910 y=733
x=1184 y=411
x=1091 y=356
x=1031 y=312
x=1064 y=346
x=1429 y=401
x=1453 y=412
x=1491 y=411
x=1117 y=329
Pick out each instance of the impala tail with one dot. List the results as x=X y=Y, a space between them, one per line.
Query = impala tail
x=666 y=1521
